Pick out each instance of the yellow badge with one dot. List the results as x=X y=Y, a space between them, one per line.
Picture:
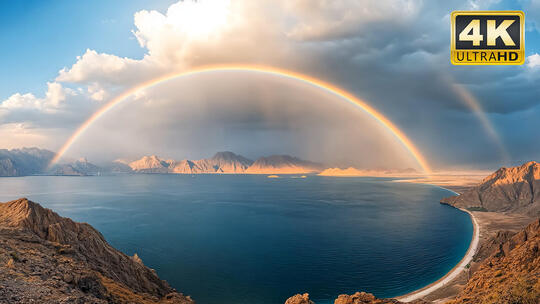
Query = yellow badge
x=487 y=37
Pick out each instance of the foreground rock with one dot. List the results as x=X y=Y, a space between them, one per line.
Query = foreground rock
x=514 y=189
x=357 y=298
x=299 y=299
x=45 y=258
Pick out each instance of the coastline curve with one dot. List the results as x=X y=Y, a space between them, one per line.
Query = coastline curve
x=455 y=271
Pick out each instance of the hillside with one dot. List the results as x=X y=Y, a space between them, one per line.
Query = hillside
x=514 y=189
x=45 y=258
x=511 y=273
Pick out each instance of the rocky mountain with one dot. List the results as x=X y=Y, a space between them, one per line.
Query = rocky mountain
x=227 y=162
x=25 y=161
x=221 y=162
x=80 y=167
x=514 y=189
x=283 y=164
x=45 y=258
x=150 y=164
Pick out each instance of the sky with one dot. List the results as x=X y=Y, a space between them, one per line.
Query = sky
x=63 y=60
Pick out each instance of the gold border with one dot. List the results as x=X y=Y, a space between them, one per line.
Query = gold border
x=521 y=50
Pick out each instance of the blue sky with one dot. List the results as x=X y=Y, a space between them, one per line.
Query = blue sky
x=44 y=36
x=63 y=59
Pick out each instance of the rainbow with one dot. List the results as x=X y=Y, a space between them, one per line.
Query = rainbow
x=398 y=134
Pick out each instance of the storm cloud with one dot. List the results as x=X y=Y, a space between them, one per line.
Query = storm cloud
x=394 y=54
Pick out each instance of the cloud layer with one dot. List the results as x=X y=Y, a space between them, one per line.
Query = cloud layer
x=392 y=53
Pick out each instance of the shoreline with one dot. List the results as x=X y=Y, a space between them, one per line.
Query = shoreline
x=460 y=267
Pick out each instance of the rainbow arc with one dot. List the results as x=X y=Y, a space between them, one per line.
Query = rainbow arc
x=333 y=89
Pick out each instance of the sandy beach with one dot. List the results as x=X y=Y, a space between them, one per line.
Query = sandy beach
x=461 y=267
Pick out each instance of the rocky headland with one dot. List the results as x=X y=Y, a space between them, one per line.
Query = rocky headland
x=508 y=190
x=46 y=258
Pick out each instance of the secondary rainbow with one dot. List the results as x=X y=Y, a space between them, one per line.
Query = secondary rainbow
x=398 y=134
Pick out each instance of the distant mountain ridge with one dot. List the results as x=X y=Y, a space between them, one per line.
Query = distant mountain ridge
x=25 y=161
x=32 y=161
x=283 y=164
x=80 y=167
x=227 y=163
x=514 y=189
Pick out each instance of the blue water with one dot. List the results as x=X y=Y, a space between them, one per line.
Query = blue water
x=254 y=240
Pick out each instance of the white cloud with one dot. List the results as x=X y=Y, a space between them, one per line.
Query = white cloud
x=54 y=97
x=533 y=60
x=104 y=68
x=96 y=92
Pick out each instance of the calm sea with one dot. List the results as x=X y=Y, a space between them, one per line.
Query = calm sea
x=234 y=239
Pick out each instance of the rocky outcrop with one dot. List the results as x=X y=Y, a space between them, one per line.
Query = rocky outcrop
x=511 y=273
x=514 y=189
x=283 y=164
x=357 y=298
x=25 y=161
x=45 y=258
x=362 y=298
x=299 y=299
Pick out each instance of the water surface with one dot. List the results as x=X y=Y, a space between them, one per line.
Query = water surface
x=235 y=239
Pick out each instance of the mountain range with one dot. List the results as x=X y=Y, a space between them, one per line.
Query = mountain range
x=226 y=163
x=32 y=161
